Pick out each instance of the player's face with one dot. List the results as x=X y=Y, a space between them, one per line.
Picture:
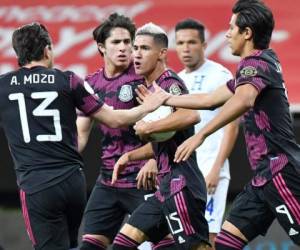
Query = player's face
x=117 y=48
x=146 y=54
x=190 y=49
x=235 y=39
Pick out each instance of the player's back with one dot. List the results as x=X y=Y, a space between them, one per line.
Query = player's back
x=38 y=114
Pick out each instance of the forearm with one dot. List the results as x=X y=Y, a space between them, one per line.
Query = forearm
x=143 y=153
x=192 y=101
x=127 y=117
x=84 y=126
x=230 y=111
x=178 y=120
x=202 y=100
x=230 y=134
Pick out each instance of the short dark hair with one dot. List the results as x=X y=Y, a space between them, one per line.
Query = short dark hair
x=258 y=17
x=190 y=23
x=159 y=35
x=115 y=20
x=29 y=42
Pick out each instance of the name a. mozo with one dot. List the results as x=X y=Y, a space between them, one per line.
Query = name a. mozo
x=33 y=79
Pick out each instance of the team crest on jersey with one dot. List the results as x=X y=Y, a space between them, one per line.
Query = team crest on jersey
x=174 y=89
x=248 y=71
x=126 y=93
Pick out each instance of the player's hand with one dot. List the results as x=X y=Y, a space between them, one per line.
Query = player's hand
x=212 y=180
x=146 y=177
x=119 y=167
x=184 y=151
x=141 y=128
x=143 y=93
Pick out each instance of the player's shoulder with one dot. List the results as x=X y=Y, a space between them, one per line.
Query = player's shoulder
x=171 y=82
x=169 y=74
x=93 y=77
x=260 y=60
x=8 y=74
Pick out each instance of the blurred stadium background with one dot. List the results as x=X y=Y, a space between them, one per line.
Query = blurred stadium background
x=71 y=23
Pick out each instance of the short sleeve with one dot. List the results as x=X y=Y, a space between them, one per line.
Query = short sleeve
x=174 y=86
x=84 y=96
x=254 y=71
x=231 y=85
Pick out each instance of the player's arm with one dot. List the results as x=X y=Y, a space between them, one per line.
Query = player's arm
x=243 y=99
x=118 y=118
x=178 y=120
x=142 y=153
x=210 y=100
x=202 y=100
x=231 y=131
x=84 y=127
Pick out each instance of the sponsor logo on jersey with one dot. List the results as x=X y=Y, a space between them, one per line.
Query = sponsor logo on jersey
x=126 y=93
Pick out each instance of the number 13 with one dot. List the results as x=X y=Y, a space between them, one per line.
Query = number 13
x=49 y=97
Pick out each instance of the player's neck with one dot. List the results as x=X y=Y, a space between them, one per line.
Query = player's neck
x=192 y=68
x=32 y=64
x=150 y=78
x=248 y=50
x=113 y=70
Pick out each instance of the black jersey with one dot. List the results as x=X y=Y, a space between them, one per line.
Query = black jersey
x=187 y=171
x=38 y=112
x=117 y=92
x=268 y=126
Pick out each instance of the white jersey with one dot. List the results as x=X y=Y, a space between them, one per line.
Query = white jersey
x=206 y=79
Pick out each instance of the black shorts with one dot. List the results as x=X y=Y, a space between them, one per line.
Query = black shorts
x=53 y=216
x=255 y=208
x=181 y=214
x=108 y=206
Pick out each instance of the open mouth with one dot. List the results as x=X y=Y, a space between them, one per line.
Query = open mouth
x=137 y=64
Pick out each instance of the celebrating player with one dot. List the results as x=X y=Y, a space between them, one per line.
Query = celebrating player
x=179 y=204
x=114 y=84
x=204 y=76
x=258 y=94
x=38 y=112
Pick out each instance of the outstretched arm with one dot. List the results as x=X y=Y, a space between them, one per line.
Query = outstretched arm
x=192 y=101
x=243 y=99
x=118 y=118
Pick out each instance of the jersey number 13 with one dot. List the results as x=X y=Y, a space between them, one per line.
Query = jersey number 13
x=40 y=110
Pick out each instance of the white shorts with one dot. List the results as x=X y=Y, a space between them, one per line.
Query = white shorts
x=215 y=206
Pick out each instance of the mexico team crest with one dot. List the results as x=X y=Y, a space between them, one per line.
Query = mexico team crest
x=126 y=94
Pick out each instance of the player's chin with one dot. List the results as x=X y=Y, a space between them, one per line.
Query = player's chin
x=139 y=70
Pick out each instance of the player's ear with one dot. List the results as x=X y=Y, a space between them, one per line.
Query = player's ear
x=163 y=53
x=248 y=33
x=204 y=45
x=48 y=52
x=101 y=48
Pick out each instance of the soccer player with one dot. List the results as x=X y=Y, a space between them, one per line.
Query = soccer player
x=179 y=204
x=258 y=94
x=38 y=112
x=204 y=76
x=114 y=84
